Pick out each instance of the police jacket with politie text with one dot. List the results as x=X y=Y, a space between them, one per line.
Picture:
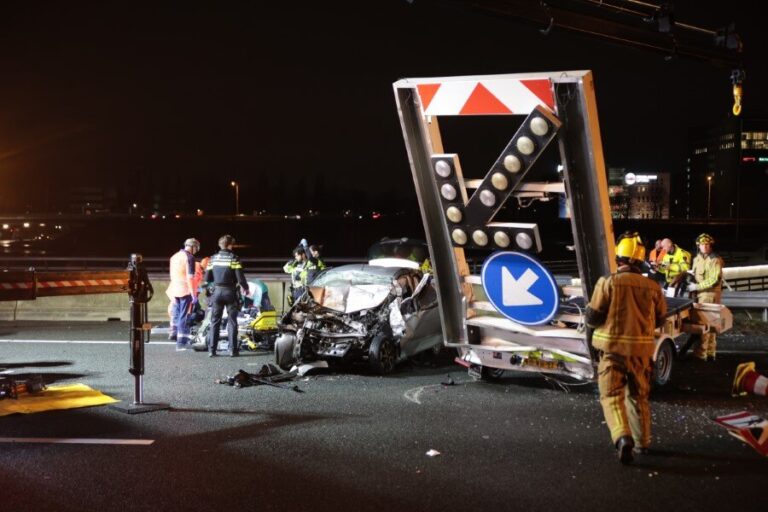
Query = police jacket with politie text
x=225 y=269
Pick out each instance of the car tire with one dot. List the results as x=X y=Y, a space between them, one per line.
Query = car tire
x=284 y=352
x=382 y=354
x=662 y=365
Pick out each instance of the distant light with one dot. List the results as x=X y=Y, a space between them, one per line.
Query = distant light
x=763 y=159
x=26 y=224
x=375 y=215
x=5 y=226
x=177 y=216
x=42 y=224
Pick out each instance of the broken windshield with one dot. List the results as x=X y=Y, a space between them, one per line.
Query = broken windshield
x=340 y=277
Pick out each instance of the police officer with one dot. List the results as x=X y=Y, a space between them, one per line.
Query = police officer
x=297 y=268
x=708 y=274
x=225 y=272
x=315 y=263
x=625 y=309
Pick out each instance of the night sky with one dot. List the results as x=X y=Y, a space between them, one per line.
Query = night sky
x=169 y=100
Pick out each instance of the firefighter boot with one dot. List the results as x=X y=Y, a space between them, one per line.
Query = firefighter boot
x=624 y=447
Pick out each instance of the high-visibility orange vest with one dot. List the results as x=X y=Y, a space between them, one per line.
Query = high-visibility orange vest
x=179 y=273
x=656 y=258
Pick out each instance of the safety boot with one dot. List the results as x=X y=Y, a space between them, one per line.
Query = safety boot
x=624 y=447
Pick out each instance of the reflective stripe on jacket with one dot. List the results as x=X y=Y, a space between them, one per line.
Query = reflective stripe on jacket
x=675 y=263
x=182 y=269
x=631 y=307
x=708 y=272
x=298 y=271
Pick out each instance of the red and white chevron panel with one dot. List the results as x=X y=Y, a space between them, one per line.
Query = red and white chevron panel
x=486 y=97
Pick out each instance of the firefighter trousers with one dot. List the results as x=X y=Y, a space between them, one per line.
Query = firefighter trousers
x=625 y=383
x=707 y=347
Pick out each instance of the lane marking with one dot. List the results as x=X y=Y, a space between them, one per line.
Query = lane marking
x=85 y=342
x=67 y=440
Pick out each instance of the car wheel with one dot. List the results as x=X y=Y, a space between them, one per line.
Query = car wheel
x=662 y=367
x=284 y=352
x=382 y=355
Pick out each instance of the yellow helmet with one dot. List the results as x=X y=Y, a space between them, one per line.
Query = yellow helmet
x=631 y=247
x=704 y=238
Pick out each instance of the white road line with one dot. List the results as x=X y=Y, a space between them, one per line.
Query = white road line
x=66 y=440
x=85 y=342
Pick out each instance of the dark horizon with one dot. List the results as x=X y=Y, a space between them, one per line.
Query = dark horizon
x=165 y=105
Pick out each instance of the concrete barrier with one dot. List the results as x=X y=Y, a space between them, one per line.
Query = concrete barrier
x=111 y=305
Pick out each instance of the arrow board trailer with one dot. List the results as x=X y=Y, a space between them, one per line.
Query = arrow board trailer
x=514 y=316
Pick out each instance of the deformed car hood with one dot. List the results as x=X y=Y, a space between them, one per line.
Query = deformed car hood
x=350 y=298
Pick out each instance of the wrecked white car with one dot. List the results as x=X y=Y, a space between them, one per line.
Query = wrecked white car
x=377 y=314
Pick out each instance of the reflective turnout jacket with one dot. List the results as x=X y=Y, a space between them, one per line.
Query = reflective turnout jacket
x=676 y=263
x=708 y=272
x=625 y=309
x=298 y=272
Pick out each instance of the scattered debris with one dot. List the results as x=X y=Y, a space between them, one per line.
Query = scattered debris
x=433 y=453
x=269 y=374
x=305 y=368
x=449 y=382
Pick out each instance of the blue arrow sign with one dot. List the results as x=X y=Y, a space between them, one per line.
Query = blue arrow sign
x=520 y=288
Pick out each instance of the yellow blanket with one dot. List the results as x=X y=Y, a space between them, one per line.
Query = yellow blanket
x=55 y=397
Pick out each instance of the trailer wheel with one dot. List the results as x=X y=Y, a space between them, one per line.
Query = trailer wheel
x=662 y=366
x=485 y=373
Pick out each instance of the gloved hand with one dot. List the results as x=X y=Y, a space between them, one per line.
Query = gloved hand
x=303 y=242
x=692 y=287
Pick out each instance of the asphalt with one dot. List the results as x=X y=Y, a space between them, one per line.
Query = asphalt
x=357 y=441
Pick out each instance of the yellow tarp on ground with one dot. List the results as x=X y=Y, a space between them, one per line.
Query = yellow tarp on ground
x=55 y=397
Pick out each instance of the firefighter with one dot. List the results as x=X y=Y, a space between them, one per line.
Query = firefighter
x=225 y=272
x=675 y=263
x=297 y=268
x=625 y=309
x=707 y=287
x=182 y=292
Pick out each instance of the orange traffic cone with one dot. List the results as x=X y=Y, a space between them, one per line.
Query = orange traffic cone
x=747 y=380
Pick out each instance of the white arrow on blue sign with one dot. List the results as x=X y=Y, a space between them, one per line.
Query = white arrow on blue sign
x=520 y=288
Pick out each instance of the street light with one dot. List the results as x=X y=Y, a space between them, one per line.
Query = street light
x=237 y=196
x=709 y=194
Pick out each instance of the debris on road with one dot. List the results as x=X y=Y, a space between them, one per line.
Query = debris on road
x=269 y=374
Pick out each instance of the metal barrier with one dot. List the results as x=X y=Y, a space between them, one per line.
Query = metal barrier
x=747 y=300
x=30 y=284
x=153 y=265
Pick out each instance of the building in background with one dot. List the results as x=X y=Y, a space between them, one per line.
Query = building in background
x=726 y=172
x=638 y=195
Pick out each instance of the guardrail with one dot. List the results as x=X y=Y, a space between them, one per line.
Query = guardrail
x=153 y=265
